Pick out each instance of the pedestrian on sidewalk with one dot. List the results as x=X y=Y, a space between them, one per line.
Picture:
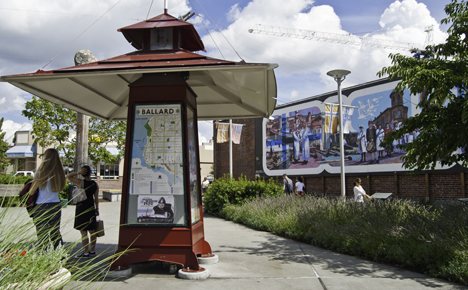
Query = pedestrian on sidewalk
x=50 y=179
x=205 y=185
x=359 y=192
x=300 y=186
x=287 y=185
x=86 y=211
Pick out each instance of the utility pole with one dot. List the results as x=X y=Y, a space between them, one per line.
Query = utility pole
x=82 y=56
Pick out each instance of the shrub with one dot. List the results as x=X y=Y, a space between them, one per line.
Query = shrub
x=10 y=179
x=27 y=264
x=229 y=191
x=422 y=238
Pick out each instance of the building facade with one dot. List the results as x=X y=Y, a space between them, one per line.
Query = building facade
x=301 y=139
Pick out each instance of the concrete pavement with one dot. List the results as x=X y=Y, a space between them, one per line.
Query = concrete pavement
x=250 y=259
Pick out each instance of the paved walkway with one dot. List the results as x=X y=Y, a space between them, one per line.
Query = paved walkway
x=250 y=259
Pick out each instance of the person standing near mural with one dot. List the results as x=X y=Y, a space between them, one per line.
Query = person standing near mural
x=359 y=192
x=305 y=144
x=371 y=136
x=362 y=143
x=380 y=136
x=300 y=186
x=287 y=185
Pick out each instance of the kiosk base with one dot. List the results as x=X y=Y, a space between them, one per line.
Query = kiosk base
x=200 y=274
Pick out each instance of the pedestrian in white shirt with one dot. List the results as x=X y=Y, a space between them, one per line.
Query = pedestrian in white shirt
x=359 y=192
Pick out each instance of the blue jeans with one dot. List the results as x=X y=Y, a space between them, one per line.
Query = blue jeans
x=47 y=221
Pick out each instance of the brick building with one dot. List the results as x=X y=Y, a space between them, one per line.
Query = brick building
x=322 y=171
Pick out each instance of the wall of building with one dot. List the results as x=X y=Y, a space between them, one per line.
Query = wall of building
x=243 y=154
x=206 y=158
x=434 y=185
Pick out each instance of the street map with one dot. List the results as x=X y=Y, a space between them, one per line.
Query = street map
x=157 y=153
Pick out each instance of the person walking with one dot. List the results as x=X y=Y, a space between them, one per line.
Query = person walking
x=205 y=185
x=300 y=186
x=359 y=192
x=50 y=179
x=86 y=211
x=287 y=185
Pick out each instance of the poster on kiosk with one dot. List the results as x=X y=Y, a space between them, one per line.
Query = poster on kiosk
x=156 y=181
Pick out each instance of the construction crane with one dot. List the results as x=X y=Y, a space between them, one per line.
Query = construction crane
x=335 y=37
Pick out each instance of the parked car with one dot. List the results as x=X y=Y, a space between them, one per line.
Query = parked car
x=24 y=173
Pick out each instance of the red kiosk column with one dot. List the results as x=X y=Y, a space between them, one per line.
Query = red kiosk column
x=161 y=212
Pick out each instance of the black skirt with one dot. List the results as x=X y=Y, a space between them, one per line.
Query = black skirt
x=85 y=212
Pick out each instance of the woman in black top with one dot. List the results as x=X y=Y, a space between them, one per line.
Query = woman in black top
x=86 y=211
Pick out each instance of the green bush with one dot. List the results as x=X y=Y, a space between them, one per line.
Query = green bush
x=10 y=179
x=230 y=191
x=422 y=238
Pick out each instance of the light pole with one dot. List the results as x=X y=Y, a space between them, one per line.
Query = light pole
x=340 y=75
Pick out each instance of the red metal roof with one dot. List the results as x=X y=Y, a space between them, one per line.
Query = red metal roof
x=190 y=39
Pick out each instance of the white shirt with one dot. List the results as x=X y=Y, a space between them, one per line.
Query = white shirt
x=46 y=195
x=359 y=194
x=299 y=186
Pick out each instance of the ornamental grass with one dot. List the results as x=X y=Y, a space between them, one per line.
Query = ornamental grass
x=422 y=238
x=27 y=264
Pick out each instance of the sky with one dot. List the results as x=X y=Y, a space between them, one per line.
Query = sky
x=45 y=34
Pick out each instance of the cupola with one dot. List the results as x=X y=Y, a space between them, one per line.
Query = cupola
x=163 y=33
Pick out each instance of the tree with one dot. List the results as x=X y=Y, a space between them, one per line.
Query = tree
x=52 y=125
x=102 y=133
x=440 y=78
x=4 y=162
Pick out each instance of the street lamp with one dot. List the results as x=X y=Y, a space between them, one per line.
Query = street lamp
x=339 y=75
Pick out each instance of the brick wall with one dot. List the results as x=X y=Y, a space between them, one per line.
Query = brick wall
x=110 y=184
x=437 y=185
x=243 y=154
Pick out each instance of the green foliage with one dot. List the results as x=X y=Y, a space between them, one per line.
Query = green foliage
x=52 y=125
x=28 y=264
x=10 y=179
x=225 y=191
x=444 y=114
x=4 y=162
x=103 y=133
x=421 y=238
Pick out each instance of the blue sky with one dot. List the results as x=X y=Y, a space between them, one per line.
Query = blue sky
x=35 y=31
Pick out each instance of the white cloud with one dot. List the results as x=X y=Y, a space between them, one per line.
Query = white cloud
x=205 y=131
x=10 y=127
x=34 y=35
x=306 y=60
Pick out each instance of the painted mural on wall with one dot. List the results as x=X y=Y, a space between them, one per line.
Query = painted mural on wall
x=304 y=138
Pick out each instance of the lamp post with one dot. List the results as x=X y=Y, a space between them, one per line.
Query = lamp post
x=339 y=75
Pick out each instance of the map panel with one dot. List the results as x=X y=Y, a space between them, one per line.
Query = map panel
x=157 y=151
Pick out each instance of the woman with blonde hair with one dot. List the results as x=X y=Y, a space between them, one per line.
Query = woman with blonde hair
x=50 y=179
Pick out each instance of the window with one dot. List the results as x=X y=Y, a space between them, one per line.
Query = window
x=399 y=114
x=394 y=115
x=109 y=171
x=21 y=164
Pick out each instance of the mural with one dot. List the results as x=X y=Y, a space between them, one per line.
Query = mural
x=304 y=138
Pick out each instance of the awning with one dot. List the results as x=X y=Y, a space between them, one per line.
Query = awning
x=225 y=90
x=21 y=151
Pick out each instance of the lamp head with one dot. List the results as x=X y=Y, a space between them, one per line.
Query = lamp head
x=338 y=73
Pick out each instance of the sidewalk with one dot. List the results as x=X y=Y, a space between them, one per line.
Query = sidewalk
x=250 y=259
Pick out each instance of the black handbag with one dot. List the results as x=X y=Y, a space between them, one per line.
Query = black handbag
x=29 y=199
